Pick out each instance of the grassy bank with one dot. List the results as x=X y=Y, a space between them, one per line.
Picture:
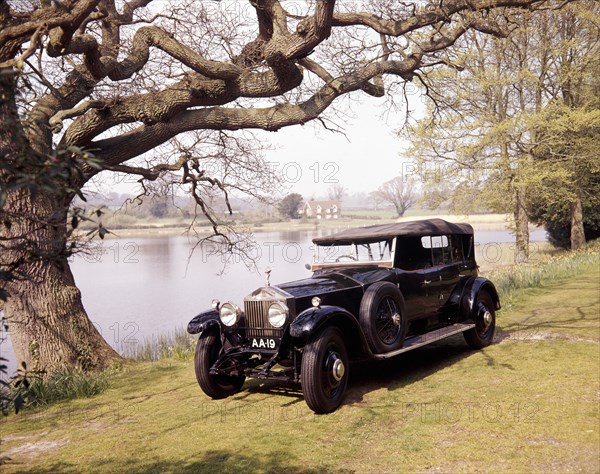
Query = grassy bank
x=546 y=265
x=528 y=403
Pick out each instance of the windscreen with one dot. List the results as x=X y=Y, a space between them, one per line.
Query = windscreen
x=372 y=252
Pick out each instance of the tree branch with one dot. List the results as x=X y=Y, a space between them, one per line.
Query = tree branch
x=316 y=69
x=119 y=149
x=429 y=16
x=34 y=43
x=193 y=91
x=101 y=66
x=52 y=17
x=57 y=119
x=146 y=173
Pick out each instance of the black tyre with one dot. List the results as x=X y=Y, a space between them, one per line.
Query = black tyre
x=383 y=317
x=482 y=334
x=207 y=352
x=324 y=374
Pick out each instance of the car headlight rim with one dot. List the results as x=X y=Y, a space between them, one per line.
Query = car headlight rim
x=229 y=314
x=278 y=314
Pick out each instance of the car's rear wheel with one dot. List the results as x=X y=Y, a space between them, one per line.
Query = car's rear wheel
x=219 y=386
x=482 y=334
x=324 y=374
x=383 y=317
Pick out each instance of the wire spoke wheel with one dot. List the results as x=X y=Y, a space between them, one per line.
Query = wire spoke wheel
x=383 y=317
x=388 y=321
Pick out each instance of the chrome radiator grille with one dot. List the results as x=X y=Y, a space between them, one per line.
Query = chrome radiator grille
x=257 y=319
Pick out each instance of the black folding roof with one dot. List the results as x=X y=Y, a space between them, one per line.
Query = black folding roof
x=374 y=233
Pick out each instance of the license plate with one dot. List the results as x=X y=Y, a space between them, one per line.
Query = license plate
x=264 y=343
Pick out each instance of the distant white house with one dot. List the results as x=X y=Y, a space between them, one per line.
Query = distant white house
x=320 y=209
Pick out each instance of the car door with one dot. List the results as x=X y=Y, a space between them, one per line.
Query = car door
x=418 y=277
x=438 y=245
x=451 y=268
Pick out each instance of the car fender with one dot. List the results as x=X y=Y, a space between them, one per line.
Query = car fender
x=471 y=289
x=309 y=321
x=205 y=320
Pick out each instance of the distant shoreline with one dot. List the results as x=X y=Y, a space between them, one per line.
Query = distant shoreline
x=480 y=222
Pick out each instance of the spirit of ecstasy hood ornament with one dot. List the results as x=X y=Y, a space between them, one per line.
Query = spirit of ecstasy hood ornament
x=268 y=276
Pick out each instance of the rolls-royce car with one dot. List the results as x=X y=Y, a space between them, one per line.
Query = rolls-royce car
x=374 y=292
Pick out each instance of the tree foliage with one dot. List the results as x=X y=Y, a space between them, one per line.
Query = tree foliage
x=564 y=192
x=568 y=169
x=290 y=205
x=555 y=216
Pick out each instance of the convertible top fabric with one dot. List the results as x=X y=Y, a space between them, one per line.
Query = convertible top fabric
x=374 y=233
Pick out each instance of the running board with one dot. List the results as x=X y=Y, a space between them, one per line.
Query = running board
x=419 y=341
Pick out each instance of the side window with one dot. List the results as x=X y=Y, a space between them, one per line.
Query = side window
x=411 y=254
x=440 y=249
x=467 y=246
x=456 y=248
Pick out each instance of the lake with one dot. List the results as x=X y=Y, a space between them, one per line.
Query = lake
x=138 y=288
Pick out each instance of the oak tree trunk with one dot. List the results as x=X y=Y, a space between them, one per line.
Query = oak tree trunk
x=577 y=231
x=48 y=325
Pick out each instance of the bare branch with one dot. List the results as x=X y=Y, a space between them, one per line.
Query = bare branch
x=316 y=69
x=51 y=17
x=118 y=149
x=428 y=16
x=56 y=121
x=146 y=173
x=104 y=66
x=34 y=43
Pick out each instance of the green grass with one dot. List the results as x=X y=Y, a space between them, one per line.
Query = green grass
x=560 y=309
x=500 y=257
x=31 y=389
x=528 y=403
x=369 y=214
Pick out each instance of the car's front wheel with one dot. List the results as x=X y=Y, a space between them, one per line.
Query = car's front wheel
x=215 y=386
x=324 y=374
x=482 y=334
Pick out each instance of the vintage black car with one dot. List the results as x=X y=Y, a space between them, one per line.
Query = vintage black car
x=375 y=291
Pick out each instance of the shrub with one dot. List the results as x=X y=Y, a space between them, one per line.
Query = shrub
x=67 y=384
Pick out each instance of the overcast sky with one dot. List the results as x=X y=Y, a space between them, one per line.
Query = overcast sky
x=312 y=158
